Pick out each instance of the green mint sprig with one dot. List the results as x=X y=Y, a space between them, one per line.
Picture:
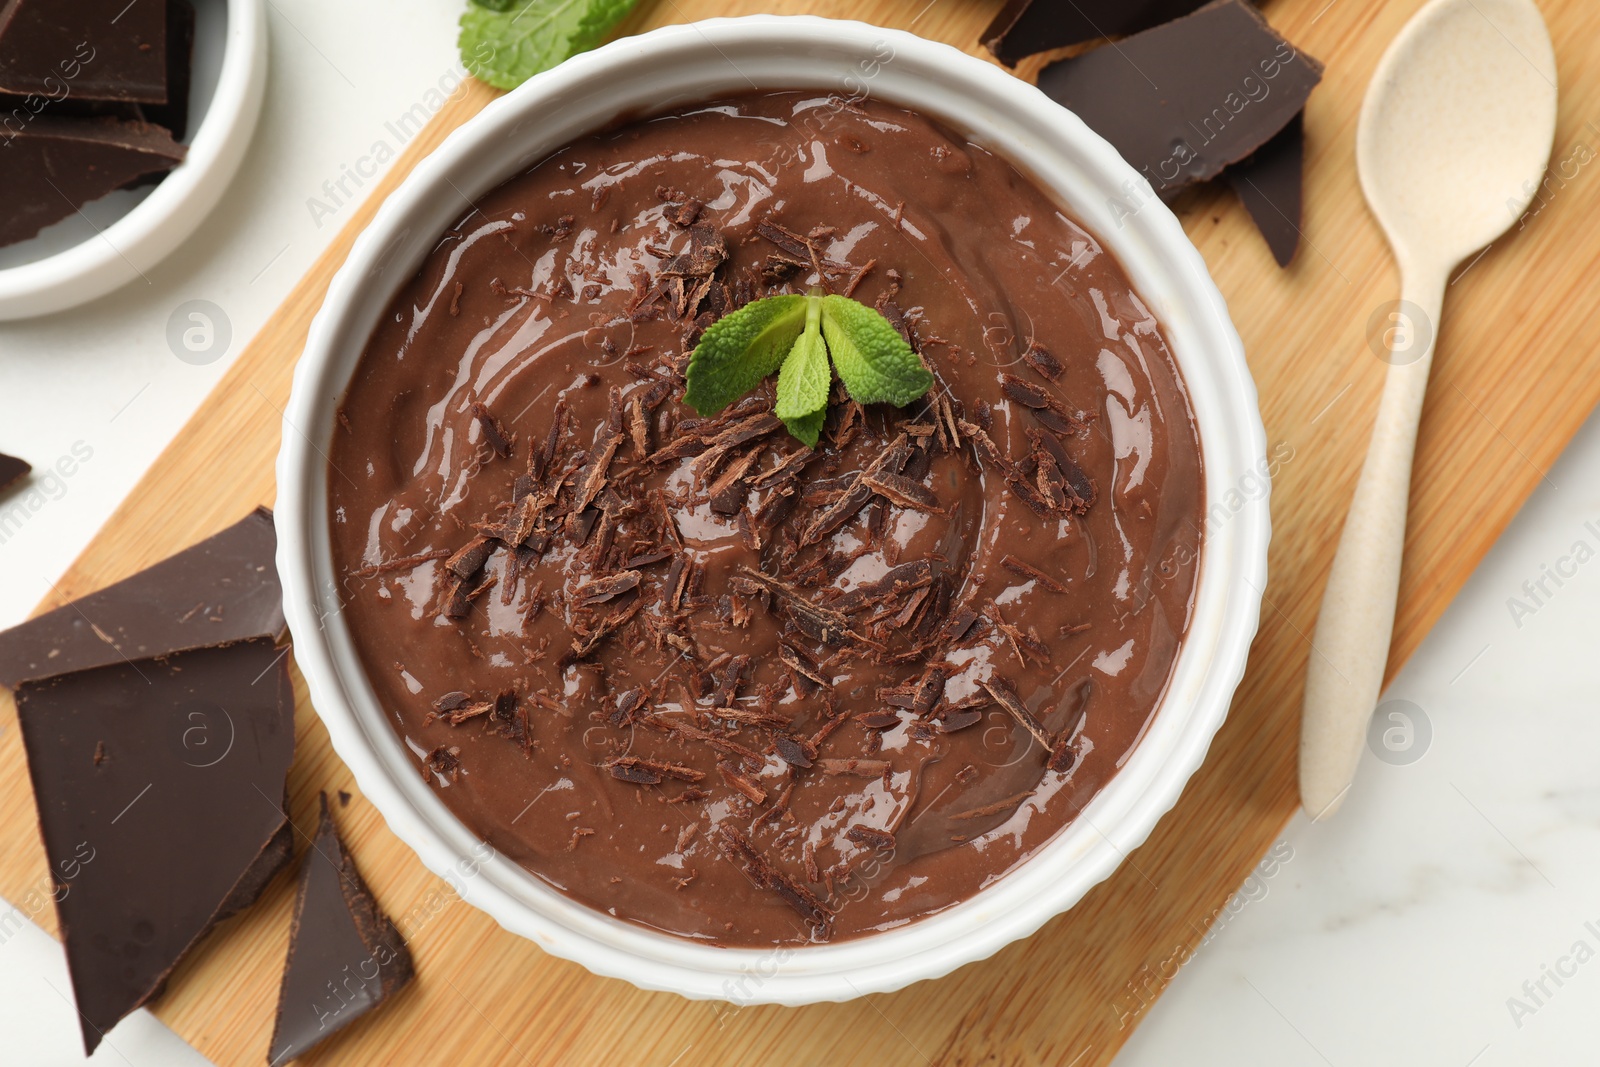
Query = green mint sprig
x=506 y=42
x=796 y=336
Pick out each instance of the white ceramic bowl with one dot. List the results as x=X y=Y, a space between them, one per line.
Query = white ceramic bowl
x=684 y=64
x=109 y=244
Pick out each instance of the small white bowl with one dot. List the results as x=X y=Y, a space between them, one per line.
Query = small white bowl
x=684 y=64
x=109 y=244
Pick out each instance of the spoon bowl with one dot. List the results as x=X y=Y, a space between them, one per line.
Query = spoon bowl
x=1457 y=125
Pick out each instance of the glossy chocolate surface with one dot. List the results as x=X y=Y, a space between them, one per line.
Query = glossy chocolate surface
x=693 y=674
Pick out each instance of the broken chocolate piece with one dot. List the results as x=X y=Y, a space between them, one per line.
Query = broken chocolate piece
x=178 y=825
x=12 y=470
x=345 y=955
x=53 y=166
x=174 y=114
x=1269 y=185
x=98 y=49
x=222 y=589
x=1027 y=27
x=1224 y=84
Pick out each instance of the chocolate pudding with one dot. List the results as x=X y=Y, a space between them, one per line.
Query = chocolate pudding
x=693 y=673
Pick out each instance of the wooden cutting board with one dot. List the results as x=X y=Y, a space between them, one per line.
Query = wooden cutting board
x=1516 y=374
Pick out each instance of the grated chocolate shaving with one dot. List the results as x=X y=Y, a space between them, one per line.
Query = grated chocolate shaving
x=898 y=489
x=860 y=768
x=793 y=751
x=994 y=808
x=871 y=837
x=857 y=492
x=1041 y=360
x=737 y=780
x=444 y=761
x=469 y=559
x=638 y=769
x=1006 y=696
x=493 y=432
x=592 y=591
x=960 y=720
x=738 y=849
x=458 y=602
x=1027 y=570
x=404 y=563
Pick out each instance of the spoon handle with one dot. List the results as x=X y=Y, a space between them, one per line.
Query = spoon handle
x=1351 y=645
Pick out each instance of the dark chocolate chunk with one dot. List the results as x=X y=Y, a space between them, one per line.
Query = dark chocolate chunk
x=1183 y=101
x=179 y=823
x=223 y=589
x=1268 y=184
x=92 y=49
x=16 y=110
x=12 y=470
x=1026 y=27
x=345 y=955
x=53 y=166
x=174 y=114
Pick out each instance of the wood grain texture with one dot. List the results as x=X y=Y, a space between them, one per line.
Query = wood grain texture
x=1516 y=374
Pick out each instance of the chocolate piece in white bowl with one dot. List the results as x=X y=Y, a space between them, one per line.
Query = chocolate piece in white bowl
x=88 y=49
x=112 y=240
x=54 y=166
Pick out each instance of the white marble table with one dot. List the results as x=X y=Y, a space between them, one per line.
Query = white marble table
x=1442 y=917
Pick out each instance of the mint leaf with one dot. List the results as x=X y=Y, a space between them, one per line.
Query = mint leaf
x=808 y=427
x=600 y=18
x=805 y=379
x=800 y=333
x=873 y=360
x=506 y=42
x=740 y=349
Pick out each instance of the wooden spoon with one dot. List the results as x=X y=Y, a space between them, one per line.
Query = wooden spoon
x=1455 y=132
